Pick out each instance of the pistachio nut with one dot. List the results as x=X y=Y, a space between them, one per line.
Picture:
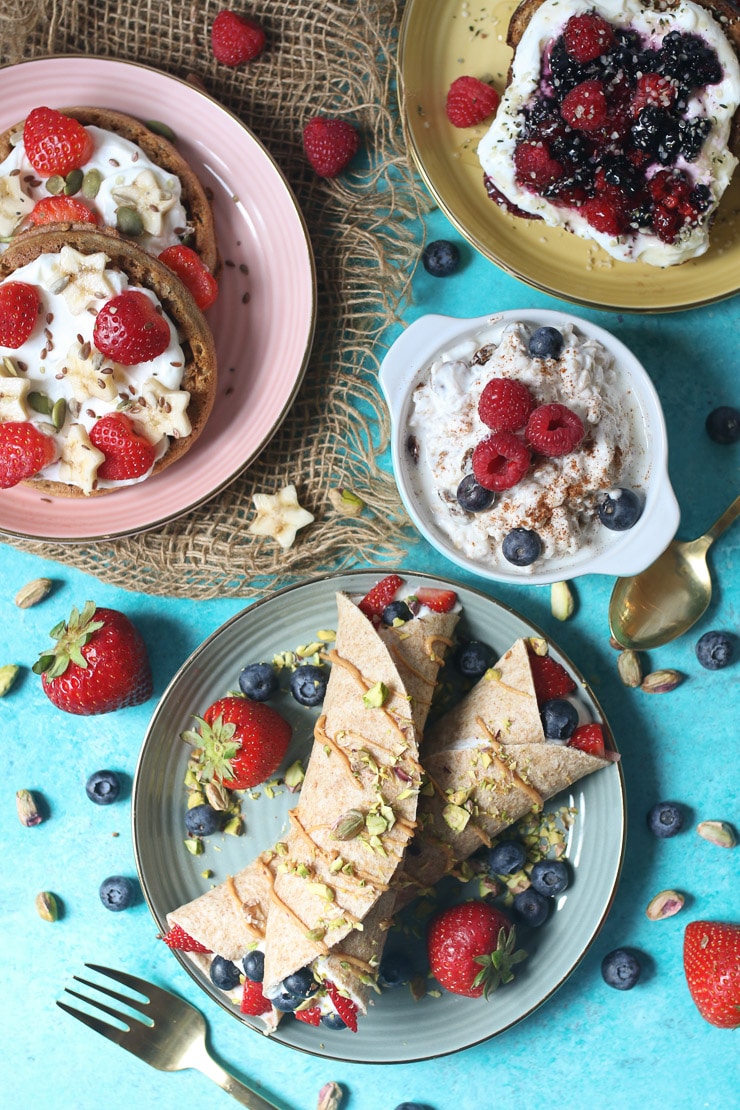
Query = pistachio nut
x=629 y=667
x=47 y=906
x=348 y=825
x=8 y=675
x=661 y=682
x=33 y=592
x=330 y=1097
x=346 y=502
x=28 y=811
x=376 y=696
x=562 y=602
x=717 y=832
x=665 y=904
x=218 y=796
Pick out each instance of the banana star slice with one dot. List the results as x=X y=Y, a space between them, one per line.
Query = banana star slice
x=279 y=516
x=159 y=411
x=14 y=204
x=79 y=460
x=148 y=197
x=13 y=393
x=89 y=374
x=83 y=279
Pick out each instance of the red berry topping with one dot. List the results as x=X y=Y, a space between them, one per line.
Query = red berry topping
x=330 y=145
x=55 y=144
x=550 y=678
x=470 y=101
x=605 y=213
x=505 y=404
x=24 y=450
x=253 y=1000
x=500 y=461
x=382 y=594
x=236 y=38
x=311 y=1015
x=61 y=210
x=19 y=311
x=344 y=1006
x=588 y=36
x=129 y=329
x=588 y=738
x=554 y=430
x=440 y=601
x=127 y=454
x=652 y=89
x=534 y=165
x=178 y=939
x=193 y=273
x=585 y=108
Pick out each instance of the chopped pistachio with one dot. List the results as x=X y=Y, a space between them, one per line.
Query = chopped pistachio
x=194 y=846
x=538 y=645
x=234 y=827
x=326 y=635
x=207 y=874
x=28 y=811
x=376 y=824
x=562 y=602
x=8 y=675
x=294 y=776
x=717 y=832
x=376 y=696
x=346 y=502
x=195 y=798
x=322 y=890
x=456 y=817
x=47 y=906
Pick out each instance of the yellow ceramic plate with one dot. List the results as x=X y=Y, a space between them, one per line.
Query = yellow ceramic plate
x=444 y=39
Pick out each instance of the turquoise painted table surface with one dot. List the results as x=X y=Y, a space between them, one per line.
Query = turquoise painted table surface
x=588 y=1045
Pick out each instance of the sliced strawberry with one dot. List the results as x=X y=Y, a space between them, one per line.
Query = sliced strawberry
x=588 y=738
x=550 y=678
x=128 y=455
x=181 y=941
x=19 y=312
x=441 y=601
x=129 y=330
x=24 y=451
x=253 y=1000
x=311 y=1016
x=61 y=210
x=193 y=273
x=344 y=1006
x=382 y=594
x=55 y=144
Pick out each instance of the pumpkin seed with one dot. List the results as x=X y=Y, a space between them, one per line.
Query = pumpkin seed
x=55 y=184
x=160 y=128
x=39 y=402
x=73 y=182
x=91 y=183
x=59 y=413
x=129 y=222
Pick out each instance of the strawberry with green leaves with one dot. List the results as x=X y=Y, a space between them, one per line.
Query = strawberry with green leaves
x=242 y=742
x=472 y=948
x=711 y=960
x=99 y=663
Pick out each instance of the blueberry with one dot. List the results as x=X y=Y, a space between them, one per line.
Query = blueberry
x=332 y=1020
x=473 y=659
x=103 y=787
x=620 y=509
x=116 y=893
x=258 y=681
x=224 y=974
x=410 y=1106
x=546 y=343
x=521 y=547
x=283 y=999
x=723 y=424
x=308 y=684
x=202 y=820
x=396 y=611
x=507 y=857
x=473 y=497
x=620 y=969
x=441 y=258
x=254 y=965
x=395 y=971
x=301 y=983
x=665 y=819
x=714 y=650
x=531 y=908
x=550 y=876
x=559 y=719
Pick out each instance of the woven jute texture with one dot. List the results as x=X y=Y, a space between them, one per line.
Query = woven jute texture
x=323 y=58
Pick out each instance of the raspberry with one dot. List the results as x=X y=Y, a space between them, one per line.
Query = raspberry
x=550 y=678
x=194 y=275
x=585 y=108
x=470 y=101
x=500 y=461
x=505 y=404
x=588 y=738
x=588 y=36
x=330 y=145
x=554 y=430
x=534 y=165
x=19 y=311
x=382 y=594
x=177 y=938
x=253 y=1000
x=652 y=88
x=605 y=213
x=236 y=38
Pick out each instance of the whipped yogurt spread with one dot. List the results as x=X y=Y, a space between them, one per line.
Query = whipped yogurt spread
x=718 y=102
x=128 y=178
x=557 y=498
x=59 y=373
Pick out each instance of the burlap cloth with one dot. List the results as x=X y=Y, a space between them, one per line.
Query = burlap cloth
x=323 y=57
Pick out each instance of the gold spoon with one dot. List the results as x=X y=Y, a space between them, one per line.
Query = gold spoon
x=665 y=600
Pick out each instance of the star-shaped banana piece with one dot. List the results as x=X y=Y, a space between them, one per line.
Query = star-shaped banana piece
x=14 y=204
x=159 y=411
x=79 y=460
x=89 y=373
x=279 y=515
x=148 y=197
x=83 y=279
x=13 y=393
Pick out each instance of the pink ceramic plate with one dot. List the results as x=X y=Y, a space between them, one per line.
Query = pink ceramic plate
x=264 y=318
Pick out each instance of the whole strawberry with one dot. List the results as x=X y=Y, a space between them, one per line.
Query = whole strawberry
x=711 y=960
x=330 y=145
x=127 y=454
x=99 y=663
x=242 y=742
x=472 y=948
x=236 y=38
x=19 y=311
x=129 y=329
x=55 y=143
x=24 y=451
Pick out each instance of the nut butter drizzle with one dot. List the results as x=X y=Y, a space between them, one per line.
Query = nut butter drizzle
x=497 y=754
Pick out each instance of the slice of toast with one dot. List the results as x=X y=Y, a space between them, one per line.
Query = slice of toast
x=142 y=270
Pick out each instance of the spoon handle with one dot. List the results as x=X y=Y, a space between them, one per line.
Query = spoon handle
x=731 y=513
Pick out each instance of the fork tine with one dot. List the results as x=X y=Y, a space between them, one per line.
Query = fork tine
x=126 y=999
x=131 y=981
x=112 y=1032
x=106 y=1009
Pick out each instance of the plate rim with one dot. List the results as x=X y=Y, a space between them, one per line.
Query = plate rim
x=409 y=13
x=205 y=497
x=313 y=582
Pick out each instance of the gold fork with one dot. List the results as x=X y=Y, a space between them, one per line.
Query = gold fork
x=171 y=1037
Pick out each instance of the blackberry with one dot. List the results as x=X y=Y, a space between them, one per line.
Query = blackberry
x=658 y=134
x=565 y=72
x=700 y=198
x=692 y=134
x=689 y=60
x=619 y=171
x=629 y=57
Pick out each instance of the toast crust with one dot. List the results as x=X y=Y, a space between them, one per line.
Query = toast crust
x=142 y=269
